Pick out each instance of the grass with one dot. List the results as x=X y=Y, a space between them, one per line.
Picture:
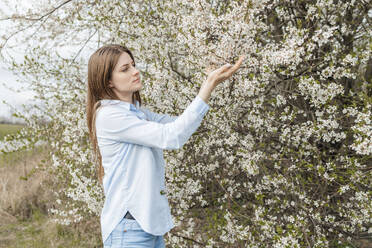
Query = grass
x=24 y=219
x=39 y=231
x=8 y=128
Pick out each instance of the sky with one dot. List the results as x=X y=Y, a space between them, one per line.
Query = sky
x=23 y=96
x=15 y=99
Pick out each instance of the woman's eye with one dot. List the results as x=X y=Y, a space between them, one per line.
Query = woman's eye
x=126 y=68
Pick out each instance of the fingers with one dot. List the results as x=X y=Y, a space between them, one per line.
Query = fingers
x=229 y=69
x=238 y=63
x=236 y=66
x=225 y=71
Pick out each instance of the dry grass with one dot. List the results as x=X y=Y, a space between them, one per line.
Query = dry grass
x=24 y=219
x=17 y=193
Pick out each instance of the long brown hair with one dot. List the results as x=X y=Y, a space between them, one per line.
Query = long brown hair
x=100 y=66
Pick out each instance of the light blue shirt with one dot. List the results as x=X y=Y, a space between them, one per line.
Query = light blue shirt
x=131 y=140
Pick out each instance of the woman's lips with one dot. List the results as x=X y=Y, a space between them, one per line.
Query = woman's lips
x=136 y=81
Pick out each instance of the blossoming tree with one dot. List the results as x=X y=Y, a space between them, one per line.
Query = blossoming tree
x=283 y=157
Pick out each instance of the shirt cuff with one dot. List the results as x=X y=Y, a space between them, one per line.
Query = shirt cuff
x=199 y=106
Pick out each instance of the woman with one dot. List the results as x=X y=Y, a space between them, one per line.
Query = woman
x=128 y=141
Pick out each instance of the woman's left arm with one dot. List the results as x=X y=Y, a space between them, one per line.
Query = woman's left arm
x=160 y=118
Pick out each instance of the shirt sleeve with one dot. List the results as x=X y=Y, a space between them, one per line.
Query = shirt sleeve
x=160 y=118
x=116 y=124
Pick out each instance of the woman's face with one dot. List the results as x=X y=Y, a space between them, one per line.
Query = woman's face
x=125 y=79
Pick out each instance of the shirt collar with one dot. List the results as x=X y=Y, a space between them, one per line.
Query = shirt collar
x=127 y=105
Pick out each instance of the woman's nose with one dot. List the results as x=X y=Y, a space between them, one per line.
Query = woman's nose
x=136 y=71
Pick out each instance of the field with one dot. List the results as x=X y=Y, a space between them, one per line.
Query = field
x=8 y=128
x=24 y=220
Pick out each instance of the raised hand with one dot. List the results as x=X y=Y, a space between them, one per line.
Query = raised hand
x=219 y=75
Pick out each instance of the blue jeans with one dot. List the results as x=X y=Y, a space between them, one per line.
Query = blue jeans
x=128 y=233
